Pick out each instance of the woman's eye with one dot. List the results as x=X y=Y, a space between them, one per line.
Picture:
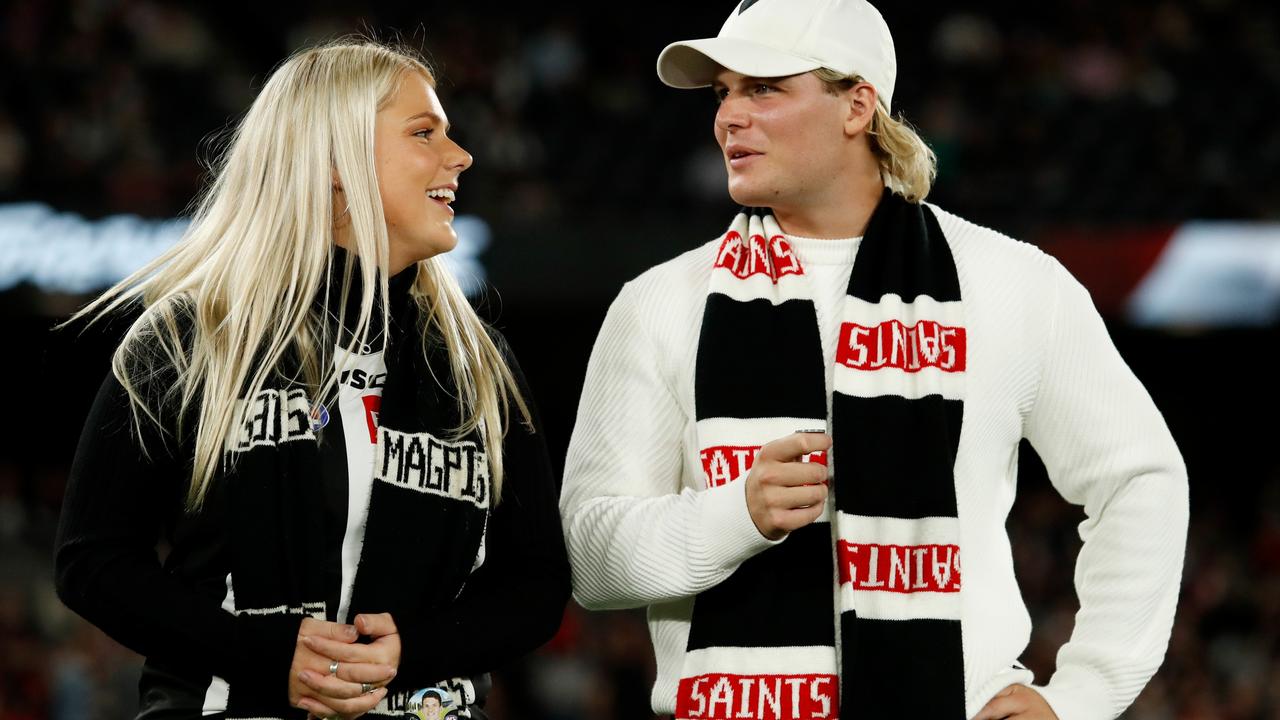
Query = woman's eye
x=425 y=133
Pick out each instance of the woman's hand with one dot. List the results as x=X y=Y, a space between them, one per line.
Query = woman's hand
x=360 y=666
x=314 y=689
x=1017 y=702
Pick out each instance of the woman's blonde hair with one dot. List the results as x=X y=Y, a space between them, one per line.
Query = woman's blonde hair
x=907 y=165
x=243 y=282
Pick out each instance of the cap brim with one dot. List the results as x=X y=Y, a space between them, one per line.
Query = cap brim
x=695 y=63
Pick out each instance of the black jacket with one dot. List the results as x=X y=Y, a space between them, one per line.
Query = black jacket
x=120 y=507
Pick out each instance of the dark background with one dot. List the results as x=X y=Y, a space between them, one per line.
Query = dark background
x=1085 y=116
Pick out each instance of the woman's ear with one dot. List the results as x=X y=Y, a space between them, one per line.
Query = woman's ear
x=341 y=208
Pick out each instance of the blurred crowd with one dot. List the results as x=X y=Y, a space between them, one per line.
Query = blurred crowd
x=1223 y=661
x=1072 y=111
x=1082 y=111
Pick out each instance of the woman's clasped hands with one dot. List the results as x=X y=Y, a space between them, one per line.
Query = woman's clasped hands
x=333 y=675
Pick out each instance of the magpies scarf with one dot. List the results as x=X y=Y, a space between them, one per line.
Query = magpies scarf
x=427 y=511
x=879 y=635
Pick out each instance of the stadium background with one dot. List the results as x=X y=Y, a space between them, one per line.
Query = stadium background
x=1102 y=131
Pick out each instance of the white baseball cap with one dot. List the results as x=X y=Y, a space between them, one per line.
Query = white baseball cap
x=776 y=38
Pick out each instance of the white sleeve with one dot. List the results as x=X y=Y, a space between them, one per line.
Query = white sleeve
x=634 y=537
x=1106 y=447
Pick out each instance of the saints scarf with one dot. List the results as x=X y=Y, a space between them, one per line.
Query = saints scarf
x=879 y=635
x=428 y=508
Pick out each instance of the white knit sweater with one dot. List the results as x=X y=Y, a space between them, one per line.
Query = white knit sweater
x=643 y=530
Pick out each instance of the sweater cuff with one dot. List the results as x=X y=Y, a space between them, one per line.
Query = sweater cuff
x=264 y=648
x=1077 y=693
x=726 y=535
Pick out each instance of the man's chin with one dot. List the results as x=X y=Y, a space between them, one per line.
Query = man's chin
x=748 y=195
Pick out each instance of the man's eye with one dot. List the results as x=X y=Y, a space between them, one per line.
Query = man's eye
x=720 y=94
x=761 y=88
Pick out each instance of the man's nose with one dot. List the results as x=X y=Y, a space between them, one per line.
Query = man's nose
x=732 y=114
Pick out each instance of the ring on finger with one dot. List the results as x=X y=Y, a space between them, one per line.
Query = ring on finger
x=365 y=688
x=333 y=667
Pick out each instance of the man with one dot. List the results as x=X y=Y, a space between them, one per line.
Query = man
x=427 y=704
x=797 y=444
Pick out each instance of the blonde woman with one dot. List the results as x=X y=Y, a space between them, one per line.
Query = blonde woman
x=338 y=453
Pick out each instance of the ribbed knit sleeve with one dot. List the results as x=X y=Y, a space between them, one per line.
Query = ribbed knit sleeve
x=1106 y=447
x=635 y=537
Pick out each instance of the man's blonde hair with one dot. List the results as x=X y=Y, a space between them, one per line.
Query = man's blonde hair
x=907 y=165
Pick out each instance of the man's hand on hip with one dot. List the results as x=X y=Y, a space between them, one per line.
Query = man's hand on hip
x=1017 y=702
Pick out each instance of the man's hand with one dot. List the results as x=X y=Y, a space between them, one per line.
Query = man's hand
x=784 y=494
x=313 y=688
x=1017 y=702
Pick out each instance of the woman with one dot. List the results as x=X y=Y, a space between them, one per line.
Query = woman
x=313 y=419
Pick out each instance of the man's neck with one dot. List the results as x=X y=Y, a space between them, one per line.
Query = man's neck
x=843 y=211
x=845 y=219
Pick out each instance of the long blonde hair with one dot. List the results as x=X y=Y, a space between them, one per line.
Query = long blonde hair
x=244 y=279
x=907 y=165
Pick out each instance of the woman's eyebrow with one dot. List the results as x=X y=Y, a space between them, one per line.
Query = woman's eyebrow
x=430 y=115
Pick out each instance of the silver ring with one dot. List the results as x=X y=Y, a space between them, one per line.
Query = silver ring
x=365 y=688
x=333 y=668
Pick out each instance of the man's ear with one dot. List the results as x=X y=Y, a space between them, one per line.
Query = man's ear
x=861 y=100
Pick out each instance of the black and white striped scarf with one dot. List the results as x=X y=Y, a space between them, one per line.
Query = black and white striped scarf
x=879 y=635
x=428 y=507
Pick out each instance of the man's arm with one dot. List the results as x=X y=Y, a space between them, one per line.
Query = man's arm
x=1106 y=447
x=634 y=537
